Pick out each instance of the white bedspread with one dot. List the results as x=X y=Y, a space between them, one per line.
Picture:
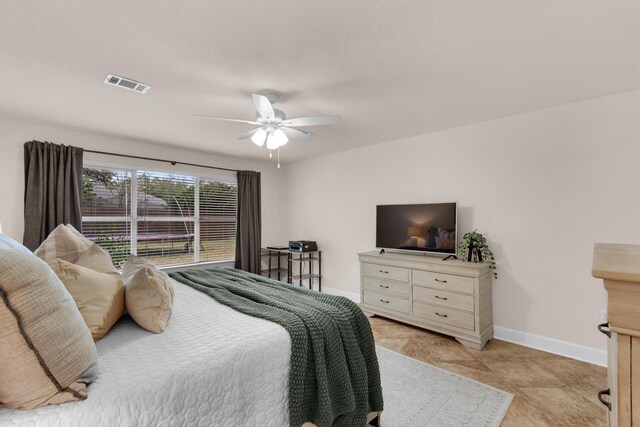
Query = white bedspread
x=212 y=367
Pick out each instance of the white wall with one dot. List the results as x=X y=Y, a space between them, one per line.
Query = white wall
x=542 y=186
x=14 y=133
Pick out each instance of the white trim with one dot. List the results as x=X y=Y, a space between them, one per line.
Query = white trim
x=152 y=218
x=107 y=165
x=538 y=342
x=106 y=218
x=228 y=177
x=333 y=291
x=195 y=243
x=133 y=204
x=197 y=266
x=552 y=345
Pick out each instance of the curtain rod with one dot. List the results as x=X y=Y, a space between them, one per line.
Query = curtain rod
x=173 y=162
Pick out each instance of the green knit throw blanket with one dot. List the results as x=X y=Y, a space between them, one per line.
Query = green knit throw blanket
x=334 y=378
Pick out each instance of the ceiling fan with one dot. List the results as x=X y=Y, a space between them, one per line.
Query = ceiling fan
x=273 y=126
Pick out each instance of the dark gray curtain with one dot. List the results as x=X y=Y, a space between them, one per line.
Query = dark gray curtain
x=53 y=189
x=248 y=222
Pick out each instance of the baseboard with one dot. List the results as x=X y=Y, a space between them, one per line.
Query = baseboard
x=333 y=291
x=552 y=345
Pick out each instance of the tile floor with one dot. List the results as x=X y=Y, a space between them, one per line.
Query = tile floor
x=549 y=390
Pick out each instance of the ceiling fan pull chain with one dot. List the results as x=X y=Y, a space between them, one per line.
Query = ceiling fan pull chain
x=278 y=157
x=270 y=154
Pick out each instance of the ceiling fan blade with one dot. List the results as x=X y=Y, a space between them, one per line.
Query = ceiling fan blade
x=224 y=119
x=297 y=134
x=263 y=106
x=313 y=121
x=249 y=134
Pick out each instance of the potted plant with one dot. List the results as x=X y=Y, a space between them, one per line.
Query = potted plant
x=474 y=248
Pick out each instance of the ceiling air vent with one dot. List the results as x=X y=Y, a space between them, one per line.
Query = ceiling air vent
x=126 y=83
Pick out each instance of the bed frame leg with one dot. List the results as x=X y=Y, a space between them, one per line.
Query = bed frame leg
x=376 y=421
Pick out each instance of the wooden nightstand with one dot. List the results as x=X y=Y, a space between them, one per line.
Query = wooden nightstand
x=619 y=266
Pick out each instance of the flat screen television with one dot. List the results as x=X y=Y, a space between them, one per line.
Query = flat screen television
x=429 y=228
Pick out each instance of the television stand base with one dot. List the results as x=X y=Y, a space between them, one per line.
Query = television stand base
x=450 y=257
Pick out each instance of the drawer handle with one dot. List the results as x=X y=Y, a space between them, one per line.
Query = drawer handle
x=382 y=271
x=441 y=281
x=384 y=286
x=442 y=298
x=606 y=392
x=601 y=328
x=441 y=315
x=384 y=301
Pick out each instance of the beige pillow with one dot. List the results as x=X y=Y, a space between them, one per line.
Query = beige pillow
x=65 y=243
x=99 y=296
x=148 y=294
x=97 y=259
x=45 y=346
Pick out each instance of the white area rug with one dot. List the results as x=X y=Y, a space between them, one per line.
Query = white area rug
x=418 y=395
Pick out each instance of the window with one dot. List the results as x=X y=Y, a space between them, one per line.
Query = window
x=166 y=218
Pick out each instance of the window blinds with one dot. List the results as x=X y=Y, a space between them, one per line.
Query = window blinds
x=106 y=210
x=169 y=219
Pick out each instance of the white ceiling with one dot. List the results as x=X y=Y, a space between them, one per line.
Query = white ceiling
x=392 y=69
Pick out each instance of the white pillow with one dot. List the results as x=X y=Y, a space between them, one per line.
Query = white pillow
x=148 y=294
x=45 y=346
x=97 y=259
x=98 y=295
x=65 y=243
x=7 y=242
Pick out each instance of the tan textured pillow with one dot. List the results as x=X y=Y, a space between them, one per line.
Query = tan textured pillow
x=65 y=243
x=99 y=296
x=45 y=346
x=148 y=294
x=97 y=259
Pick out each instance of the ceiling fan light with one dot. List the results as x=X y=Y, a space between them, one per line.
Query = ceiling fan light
x=280 y=137
x=272 y=142
x=259 y=137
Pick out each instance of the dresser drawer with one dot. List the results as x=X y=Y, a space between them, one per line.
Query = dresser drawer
x=388 y=287
x=386 y=301
x=444 y=298
x=447 y=316
x=447 y=282
x=385 y=272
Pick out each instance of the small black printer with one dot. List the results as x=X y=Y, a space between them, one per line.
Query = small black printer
x=302 y=246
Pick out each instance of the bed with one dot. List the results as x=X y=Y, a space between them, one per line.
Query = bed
x=212 y=366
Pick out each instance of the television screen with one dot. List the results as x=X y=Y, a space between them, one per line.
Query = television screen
x=425 y=227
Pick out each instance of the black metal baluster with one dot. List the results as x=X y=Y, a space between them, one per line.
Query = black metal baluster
x=310 y=271
x=319 y=271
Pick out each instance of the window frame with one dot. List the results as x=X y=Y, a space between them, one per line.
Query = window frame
x=133 y=208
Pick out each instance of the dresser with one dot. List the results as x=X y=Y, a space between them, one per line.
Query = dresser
x=619 y=267
x=450 y=297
